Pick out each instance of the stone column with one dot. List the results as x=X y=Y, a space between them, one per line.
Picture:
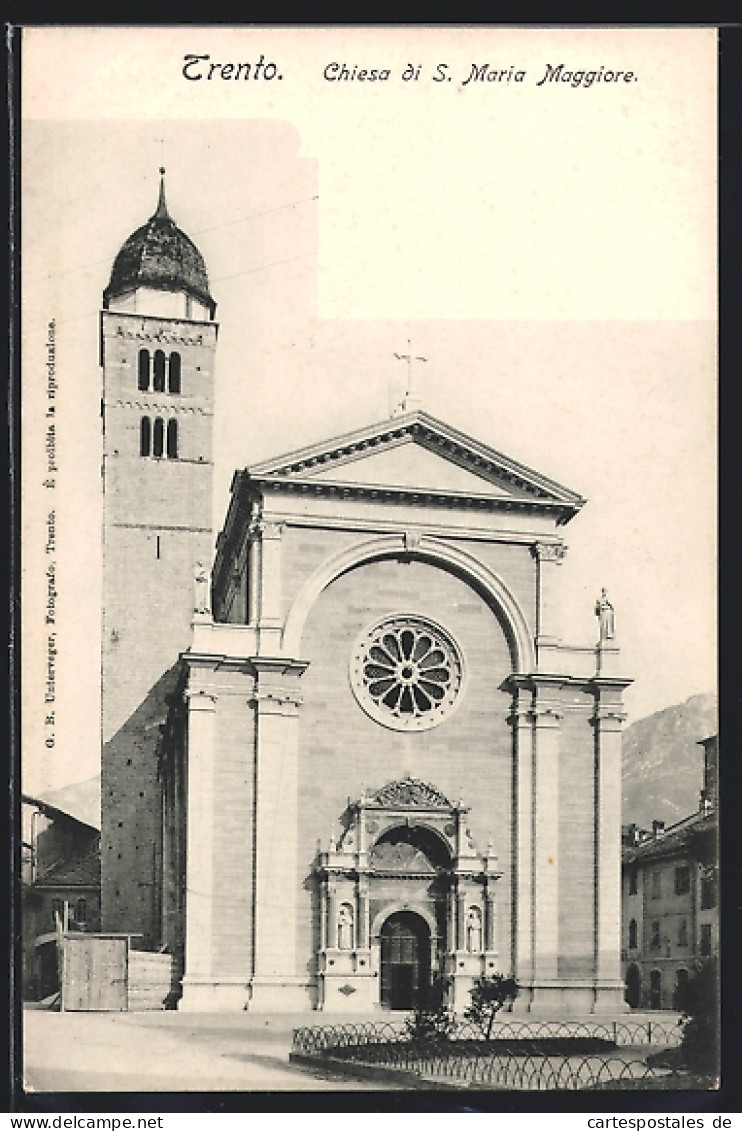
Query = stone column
x=489 y=916
x=254 y=571
x=323 y=913
x=451 y=917
x=608 y=723
x=198 y=976
x=362 y=931
x=460 y=918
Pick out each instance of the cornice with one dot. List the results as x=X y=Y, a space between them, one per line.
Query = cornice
x=431 y=433
x=391 y=494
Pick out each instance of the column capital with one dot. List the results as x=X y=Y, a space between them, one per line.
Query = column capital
x=276 y=700
x=549 y=552
x=266 y=530
x=608 y=718
x=200 y=700
x=545 y=715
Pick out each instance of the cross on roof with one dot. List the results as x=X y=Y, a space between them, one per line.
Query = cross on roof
x=412 y=398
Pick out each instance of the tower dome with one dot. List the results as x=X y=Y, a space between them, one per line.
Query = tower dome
x=159 y=257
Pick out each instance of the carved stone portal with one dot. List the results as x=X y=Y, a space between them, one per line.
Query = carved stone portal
x=404 y=897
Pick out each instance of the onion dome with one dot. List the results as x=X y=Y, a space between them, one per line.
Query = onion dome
x=159 y=255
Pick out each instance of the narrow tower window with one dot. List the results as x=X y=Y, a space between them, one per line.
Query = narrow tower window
x=144 y=369
x=145 y=436
x=172 y=439
x=157 y=443
x=159 y=371
x=174 y=373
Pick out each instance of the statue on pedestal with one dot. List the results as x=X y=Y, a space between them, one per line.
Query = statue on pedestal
x=606 y=617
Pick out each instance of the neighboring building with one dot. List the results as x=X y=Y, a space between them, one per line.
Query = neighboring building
x=363 y=755
x=60 y=885
x=670 y=899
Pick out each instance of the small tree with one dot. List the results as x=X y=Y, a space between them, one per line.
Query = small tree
x=488 y=995
x=700 y=1044
x=433 y=1022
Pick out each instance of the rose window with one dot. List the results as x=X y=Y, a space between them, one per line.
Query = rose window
x=406 y=672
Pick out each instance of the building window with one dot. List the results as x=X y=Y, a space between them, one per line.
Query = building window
x=705 y=940
x=683 y=932
x=633 y=935
x=656 y=885
x=158 y=439
x=173 y=375
x=159 y=371
x=708 y=892
x=680 y=994
x=655 y=989
x=57 y=909
x=406 y=673
x=172 y=439
x=145 y=436
x=633 y=879
x=144 y=370
x=81 y=911
x=655 y=938
x=682 y=880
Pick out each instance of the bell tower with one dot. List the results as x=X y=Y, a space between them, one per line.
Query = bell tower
x=157 y=345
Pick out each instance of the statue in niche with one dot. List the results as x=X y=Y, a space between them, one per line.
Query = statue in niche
x=606 y=617
x=474 y=930
x=345 y=927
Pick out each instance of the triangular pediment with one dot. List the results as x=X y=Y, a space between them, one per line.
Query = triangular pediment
x=416 y=452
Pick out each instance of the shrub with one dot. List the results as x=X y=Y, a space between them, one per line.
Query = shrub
x=488 y=995
x=432 y=1023
x=700 y=1044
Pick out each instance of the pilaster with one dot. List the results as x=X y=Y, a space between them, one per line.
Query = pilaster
x=608 y=724
x=549 y=557
x=522 y=891
x=275 y=701
x=199 y=853
x=270 y=585
x=546 y=727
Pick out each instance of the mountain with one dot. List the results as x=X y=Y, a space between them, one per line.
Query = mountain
x=663 y=763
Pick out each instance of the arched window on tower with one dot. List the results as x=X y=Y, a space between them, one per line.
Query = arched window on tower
x=172 y=439
x=633 y=934
x=159 y=371
x=174 y=373
x=158 y=438
x=144 y=370
x=145 y=436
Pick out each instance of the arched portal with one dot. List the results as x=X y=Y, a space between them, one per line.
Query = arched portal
x=405 y=960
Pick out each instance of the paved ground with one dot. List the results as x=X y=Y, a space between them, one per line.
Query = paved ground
x=188 y=1052
x=167 y=1052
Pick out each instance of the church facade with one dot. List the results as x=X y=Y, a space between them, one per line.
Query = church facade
x=360 y=754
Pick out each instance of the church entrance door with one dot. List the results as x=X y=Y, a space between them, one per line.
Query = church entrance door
x=405 y=960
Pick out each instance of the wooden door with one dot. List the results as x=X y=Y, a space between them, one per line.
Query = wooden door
x=405 y=960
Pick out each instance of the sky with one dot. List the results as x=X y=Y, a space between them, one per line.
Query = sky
x=549 y=249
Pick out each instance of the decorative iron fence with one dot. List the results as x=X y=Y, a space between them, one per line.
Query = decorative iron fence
x=470 y=1061
x=322 y=1038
